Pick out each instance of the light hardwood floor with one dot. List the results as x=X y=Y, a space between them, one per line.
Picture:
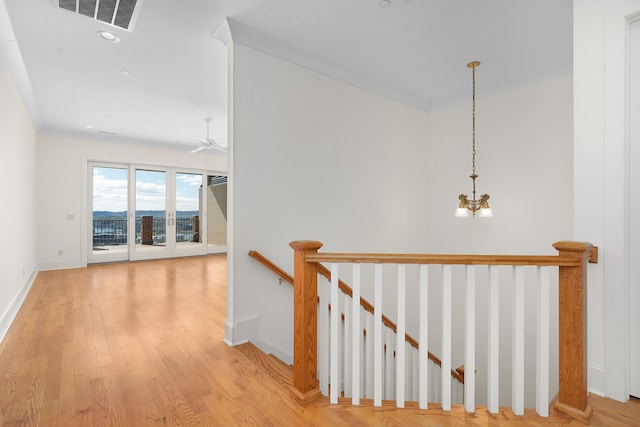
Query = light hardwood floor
x=140 y=344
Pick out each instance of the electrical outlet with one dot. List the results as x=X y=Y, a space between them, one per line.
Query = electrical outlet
x=60 y=252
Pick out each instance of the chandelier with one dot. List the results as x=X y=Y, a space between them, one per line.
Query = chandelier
x=471 y=206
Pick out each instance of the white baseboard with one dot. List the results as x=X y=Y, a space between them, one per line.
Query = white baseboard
x=228 y=333
x=12 y=310
x=245 y=330
x=596 y=379
x=62 y=265
x=271 y=348
x=241 y=331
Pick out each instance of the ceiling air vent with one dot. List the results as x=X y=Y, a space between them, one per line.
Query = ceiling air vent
x=119 y=13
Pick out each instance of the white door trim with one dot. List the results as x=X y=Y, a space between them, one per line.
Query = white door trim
x=634 y=206
x=616 y=218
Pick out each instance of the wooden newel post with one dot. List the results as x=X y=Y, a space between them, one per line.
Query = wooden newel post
x=305 y=322
x=572 y=396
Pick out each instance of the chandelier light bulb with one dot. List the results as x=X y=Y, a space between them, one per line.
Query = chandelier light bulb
x=485 y=213
x=462 y=212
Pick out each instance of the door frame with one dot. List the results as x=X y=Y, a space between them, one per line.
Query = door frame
x=615 y=268
x=634 y=205
x=177 y=250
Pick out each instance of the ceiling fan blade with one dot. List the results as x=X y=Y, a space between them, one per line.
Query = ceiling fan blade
x=197 y=149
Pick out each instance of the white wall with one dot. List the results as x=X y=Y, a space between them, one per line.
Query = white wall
x=62 y=176
x=19 y=208
x=314 y=158
x=601 y=183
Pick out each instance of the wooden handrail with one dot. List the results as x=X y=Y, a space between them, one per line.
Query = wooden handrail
x=271 y=266
x=534 y=260
x=363 y=303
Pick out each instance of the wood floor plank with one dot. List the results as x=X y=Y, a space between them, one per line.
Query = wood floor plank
x=141 y=344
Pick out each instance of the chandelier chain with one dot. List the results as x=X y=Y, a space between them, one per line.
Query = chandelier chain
x=473 y=119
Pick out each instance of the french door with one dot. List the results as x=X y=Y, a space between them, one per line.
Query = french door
x=150 y=209
x=108 y=213
x=149 y=212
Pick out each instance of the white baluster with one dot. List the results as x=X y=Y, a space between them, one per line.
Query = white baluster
x=335 y=385
x=377 y=341
x=323 y=336
x=470 y=346
x=446 y=339
x=493 y=380
x=542 y=353
x=369 y=356
x=356 y=337
x=385 y=366
x=400 y=342
x=363 y=361
x=423 y=357
x=389 y=378
x=348 y=344
x=517 y=402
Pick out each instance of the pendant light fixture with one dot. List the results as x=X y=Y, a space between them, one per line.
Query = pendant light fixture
x=471 y=206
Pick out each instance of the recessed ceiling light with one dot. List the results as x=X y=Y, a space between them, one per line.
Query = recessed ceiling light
x=384 y=3
x=110 y=37
x=89 y=127
x=124 y=72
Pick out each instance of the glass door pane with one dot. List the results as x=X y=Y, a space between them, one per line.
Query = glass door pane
x=151 y=231
x=108 y=229
x=189 y=213
x=216 y=213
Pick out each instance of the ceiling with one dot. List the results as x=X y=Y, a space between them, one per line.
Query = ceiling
x=414 y=51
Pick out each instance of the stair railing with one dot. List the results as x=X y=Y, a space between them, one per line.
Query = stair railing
x=571 y=262
x=457 y=374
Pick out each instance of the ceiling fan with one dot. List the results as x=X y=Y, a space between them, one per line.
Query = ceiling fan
x=209 y=143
